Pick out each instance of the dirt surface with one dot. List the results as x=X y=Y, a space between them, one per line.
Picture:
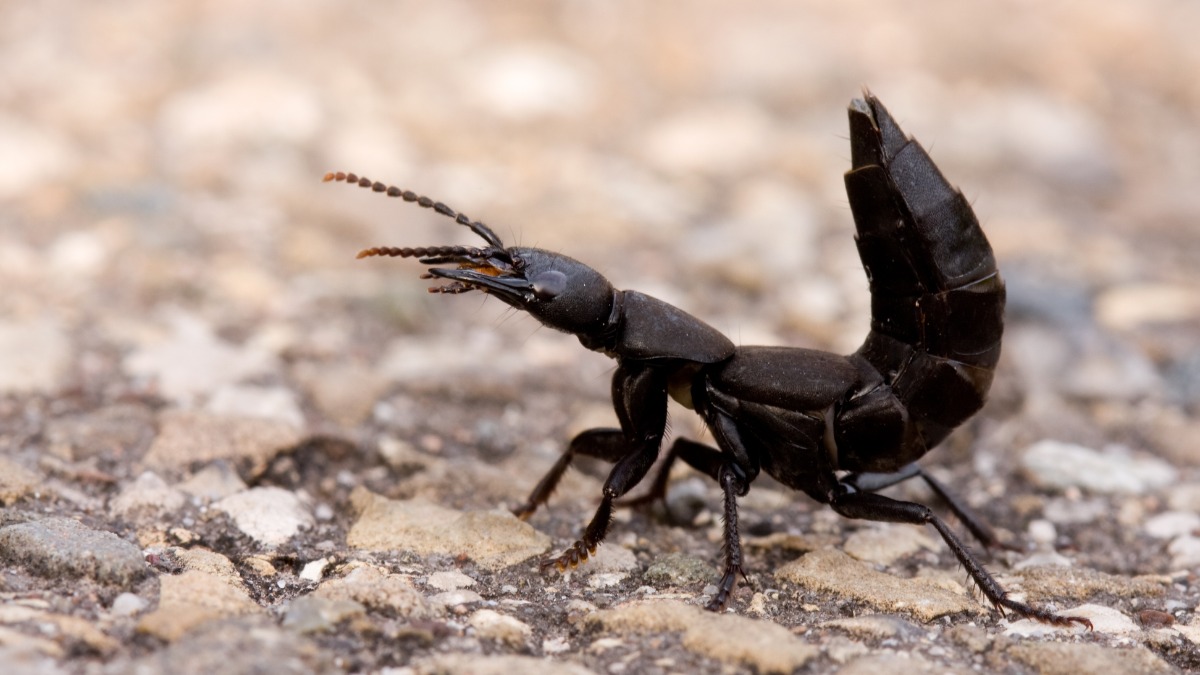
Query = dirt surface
x=227 y=445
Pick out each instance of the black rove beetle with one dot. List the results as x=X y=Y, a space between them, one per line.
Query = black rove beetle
x=802 y=416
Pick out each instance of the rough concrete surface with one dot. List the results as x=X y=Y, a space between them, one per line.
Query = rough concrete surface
x=226 y=445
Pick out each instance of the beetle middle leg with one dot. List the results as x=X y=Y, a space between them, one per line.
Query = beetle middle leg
x=873 y=482
x=870 y=506
x=606 y=444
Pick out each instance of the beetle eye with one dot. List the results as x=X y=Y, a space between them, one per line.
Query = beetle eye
x=549 y=284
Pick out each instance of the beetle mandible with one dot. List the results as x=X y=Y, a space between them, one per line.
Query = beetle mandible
x=838 y=428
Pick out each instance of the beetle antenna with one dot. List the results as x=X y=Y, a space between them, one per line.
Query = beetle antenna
x=425 y=202
x=422 y=252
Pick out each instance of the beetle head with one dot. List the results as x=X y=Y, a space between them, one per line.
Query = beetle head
x=557 y=290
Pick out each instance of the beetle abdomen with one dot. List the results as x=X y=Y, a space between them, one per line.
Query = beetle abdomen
x=937 y=299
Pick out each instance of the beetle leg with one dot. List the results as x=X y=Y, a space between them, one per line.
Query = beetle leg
x=733 y=483
x=606 y=444
x=701 y=457
x=874 y=482
x=640 y=399
x=870 y=506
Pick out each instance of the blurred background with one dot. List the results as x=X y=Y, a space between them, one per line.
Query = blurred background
x=162 y=173
x=167 y=245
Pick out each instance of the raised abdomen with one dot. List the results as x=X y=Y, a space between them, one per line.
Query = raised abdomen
x=937 y=299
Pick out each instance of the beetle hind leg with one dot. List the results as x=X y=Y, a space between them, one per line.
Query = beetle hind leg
x=870 y=506
x=873 y=482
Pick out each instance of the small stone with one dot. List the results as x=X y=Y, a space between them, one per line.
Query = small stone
x=1080 y=583
x=148 y=494
x=345 y=392
x=1170 y=524
x=493 y=539
x=191 y=599
x=269 y=403
x=606 y=579
x=1070 y=658
x=609 y=559
x=127 y=604
x=215 y=481
x=831 y=571
x=194 y=362
x=1128 y=307
x=261 y=565
x=190 y=437
x=249 y=644
x=1042 y=532
x=16 y=481
x=885 y=543
x=735 y=640
x=65 y=548
x=117 y=432
x=378 y=590
x=679 y=569
x=269 y=515
x=456 y=599
x=1184 y=497
x=492 y=625
x=310 y=614
x=1185 y=552
x=450 y=580
x=314 y=570
x=1057 y=465
x=505 y=664
x=34 y=356
x=878 y=627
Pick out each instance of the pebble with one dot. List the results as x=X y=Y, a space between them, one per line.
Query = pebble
x=885 y=543
x=216 y=480
x=493 y=539
x=1185 y=552
x=125 y=430
x=345 y=392
x=1070 y=658
x=1169 y=524
x=832 y=571
x=148 y=494
x=492 y=625
x=1058 y=465
x=878 y=627
x=269 y=515
x=65 y=548
x=188 y=437
x=246 y=644
x=378 y=589
x=312 y=614
x=504 y=664
x=35 y=355
x=314 y=570
x=16 y=482
x=1104 y=620
x=127 y=604
x=450 y=580
x=680 y=570
x=728 y=638
x=191 y=599
x=270 y=403
x=193 y=362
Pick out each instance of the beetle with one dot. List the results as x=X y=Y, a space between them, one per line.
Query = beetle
x=838 y=428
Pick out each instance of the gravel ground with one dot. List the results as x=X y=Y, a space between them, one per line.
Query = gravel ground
x=225 y=445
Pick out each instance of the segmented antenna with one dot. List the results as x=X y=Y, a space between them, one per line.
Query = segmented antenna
x=425 y=202
x=452 y=252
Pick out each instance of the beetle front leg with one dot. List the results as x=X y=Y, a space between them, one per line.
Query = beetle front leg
x=640 y=399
